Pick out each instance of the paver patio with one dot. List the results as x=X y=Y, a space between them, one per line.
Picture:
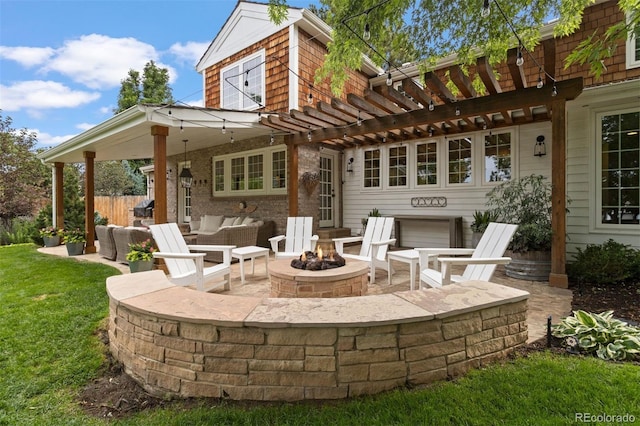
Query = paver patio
x=544 y=301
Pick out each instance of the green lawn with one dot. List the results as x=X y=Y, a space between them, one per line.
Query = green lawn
x=50 y=308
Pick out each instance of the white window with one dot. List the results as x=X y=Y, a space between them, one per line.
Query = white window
x=397 y=166
x=497 y=157
x=372 y=168
x=243 y=83
x=618 y=146
x=184 y=195
x=633 y=49
x=427 y=163
x=260 y=171
x=459 y=161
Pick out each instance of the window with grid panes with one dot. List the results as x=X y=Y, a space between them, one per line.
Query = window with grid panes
x=243 y=83
x=497 y=157
x=427 y=163
x=619 y=146
x=279 y=169
x=459 y=160
x=255 y=171
x=218 y=175
x=237 y=174
x=371 y=170
x=398 y=166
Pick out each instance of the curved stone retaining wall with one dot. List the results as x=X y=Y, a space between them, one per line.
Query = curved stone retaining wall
x=179 y=342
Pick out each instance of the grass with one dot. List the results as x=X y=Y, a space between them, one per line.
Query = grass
x=51 y=307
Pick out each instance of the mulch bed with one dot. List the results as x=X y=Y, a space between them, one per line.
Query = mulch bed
x=116 y=395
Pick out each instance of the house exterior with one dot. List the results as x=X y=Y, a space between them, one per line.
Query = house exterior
x=265 y=123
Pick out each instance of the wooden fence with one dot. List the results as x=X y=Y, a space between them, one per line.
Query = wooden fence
x=116 y=208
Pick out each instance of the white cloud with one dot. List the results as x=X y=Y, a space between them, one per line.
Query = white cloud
x=26 y=56
x=101 y=62
x=84 y=126
x=38 y=94
x=45 y=140
x=189 y=52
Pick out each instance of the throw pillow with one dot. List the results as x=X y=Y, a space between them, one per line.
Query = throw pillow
x=228 y=221
x=211 y=223
x=247 y=220
x=238 y=221
x=194 y=225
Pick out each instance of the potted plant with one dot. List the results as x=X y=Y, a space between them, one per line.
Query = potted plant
x=372 y=213
x=310 y=180
x=140 y=256
x=74 y=240
x=51 y=236
x=527 y=203
x=480 y=222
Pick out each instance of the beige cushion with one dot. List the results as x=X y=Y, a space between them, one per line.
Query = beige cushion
x=247 y=220
x=211 y=223
x=228 y=221
x=238 y=221
x=194 y=225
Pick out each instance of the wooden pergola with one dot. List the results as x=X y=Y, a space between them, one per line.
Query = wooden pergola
x=386 y=115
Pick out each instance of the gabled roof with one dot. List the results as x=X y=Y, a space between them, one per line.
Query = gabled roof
x=249 y=23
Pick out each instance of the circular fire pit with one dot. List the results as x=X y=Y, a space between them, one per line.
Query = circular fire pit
x=348 y=280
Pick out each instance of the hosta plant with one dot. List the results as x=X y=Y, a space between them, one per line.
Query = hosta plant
x=607 y=337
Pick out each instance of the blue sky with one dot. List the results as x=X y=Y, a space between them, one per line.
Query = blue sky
x=61 y=62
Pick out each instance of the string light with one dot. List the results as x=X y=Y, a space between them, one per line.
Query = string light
x=540 y=83
x=366 y=35
x=246 y=79
x=181 y=128
x=520 y=59
x=272 y=139
x=554 y=91
x=224 y=126
x=309 y=135
x=359 y=121
x=232 y=139
x=486 y=9
x=431 y=105
x=430 y=131
x=389 y=79
x=457 y=111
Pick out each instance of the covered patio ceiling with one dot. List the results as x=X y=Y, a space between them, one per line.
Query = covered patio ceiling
x=386 y=115
x=127 y=136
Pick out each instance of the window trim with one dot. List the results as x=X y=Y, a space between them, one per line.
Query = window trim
x=386 y=164
x=381 y=173
x=414 y=164
x=596 y=220
x=630 y=50
x=514 y=156
x=473 y=138
x=267 y=170
x=239 y=63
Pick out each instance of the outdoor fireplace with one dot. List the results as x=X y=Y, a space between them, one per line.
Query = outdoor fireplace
x=314 y=275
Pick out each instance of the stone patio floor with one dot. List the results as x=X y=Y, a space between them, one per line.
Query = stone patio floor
x=544 y=301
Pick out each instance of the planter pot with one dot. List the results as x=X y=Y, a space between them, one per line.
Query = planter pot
x=140 y=265
x=475 y=239
x=532 y=265
x=75 y=249
x=51 y=241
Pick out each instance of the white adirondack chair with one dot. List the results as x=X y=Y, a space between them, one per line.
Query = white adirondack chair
x=186 y=268
x=297 y=239
x=481 y=265
x=375 y=242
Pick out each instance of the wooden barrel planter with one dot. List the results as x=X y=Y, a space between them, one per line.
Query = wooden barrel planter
x=531 y=266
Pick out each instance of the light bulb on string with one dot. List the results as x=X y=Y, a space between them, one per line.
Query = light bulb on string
x=520 y=58
x=359 y=121
x=309 y=135
x=271 y=138
x=366 y=35
x=246 y=80
x=224 y=126
x=540 y=83
x=389 y=79
x=181 y=128
x=554 y=91
x=232 y=140
x=486 y=9
x=431 y=105
x=457 y=111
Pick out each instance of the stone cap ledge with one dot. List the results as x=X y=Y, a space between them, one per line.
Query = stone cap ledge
x=152 y=293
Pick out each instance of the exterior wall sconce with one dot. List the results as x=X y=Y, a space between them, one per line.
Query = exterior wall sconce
x=540 y=148
x=350 y=165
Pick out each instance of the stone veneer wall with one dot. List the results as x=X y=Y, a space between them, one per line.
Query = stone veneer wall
x=255 y=352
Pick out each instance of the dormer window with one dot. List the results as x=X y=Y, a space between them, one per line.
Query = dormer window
x=242 y=83
x=633 y=49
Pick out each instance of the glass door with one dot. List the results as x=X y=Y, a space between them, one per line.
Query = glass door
x=328 y=199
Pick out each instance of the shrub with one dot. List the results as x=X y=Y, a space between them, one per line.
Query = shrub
x=599 y=334
x=18 y=231
x=602 y=264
